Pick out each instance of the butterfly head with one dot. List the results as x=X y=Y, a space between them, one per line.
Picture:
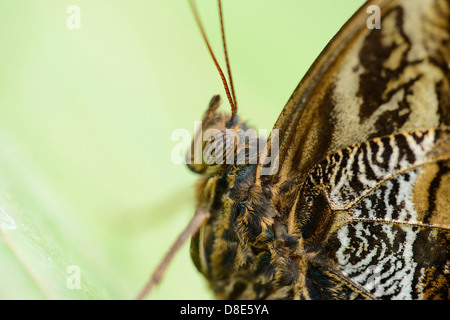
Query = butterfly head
x=221 y=141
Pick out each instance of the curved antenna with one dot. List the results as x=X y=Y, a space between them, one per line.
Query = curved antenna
x=231 y=96
x=201 y=215
x=226 y=53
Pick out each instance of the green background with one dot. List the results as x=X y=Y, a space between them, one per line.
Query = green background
x=86 y=117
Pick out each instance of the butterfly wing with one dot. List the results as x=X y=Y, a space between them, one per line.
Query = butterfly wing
x=369 y=83
x=374 y=217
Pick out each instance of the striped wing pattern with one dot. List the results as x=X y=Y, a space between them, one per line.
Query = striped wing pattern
x=383 y=231
x=365 y=138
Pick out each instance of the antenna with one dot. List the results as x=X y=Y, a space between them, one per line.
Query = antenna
x=231 y=96
x=201 y=215
x=226 y=53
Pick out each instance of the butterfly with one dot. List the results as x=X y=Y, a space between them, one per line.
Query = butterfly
x=353 y=199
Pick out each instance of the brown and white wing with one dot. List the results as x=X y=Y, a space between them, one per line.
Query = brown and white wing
x=369 y=83
x=375 y=219
x=364 y=142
